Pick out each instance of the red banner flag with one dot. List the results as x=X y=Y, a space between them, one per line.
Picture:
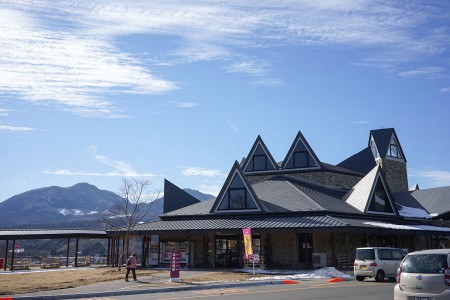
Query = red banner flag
x=248 y=249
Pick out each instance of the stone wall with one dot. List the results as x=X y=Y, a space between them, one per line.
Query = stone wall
x=395 y=174
x=321 y=177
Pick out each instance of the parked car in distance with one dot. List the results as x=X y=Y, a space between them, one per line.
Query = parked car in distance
x=424 y=275
x=377 y=262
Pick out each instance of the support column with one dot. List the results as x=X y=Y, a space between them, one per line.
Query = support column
x=11 y=268
x=68 y=252
x=76 y=253
x=6 y=255
x=346 y=250
x=108 y=255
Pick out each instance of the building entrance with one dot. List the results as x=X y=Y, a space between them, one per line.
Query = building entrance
x=305 y=250
x=227 y=251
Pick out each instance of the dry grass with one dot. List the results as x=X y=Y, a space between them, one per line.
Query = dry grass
x=19 y=283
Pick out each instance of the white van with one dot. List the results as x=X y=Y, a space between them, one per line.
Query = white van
x=377 y=262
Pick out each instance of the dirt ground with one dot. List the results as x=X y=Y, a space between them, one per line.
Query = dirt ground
x=18 y=283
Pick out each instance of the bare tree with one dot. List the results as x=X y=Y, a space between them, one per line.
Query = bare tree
x=137 y=199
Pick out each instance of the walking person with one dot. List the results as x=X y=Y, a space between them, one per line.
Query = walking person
x=131 y=266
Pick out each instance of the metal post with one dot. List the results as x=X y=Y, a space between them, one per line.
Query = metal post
x=11 y=268
x=68 y=252
x=6 y=255
x=108 y=252
x=76 y=253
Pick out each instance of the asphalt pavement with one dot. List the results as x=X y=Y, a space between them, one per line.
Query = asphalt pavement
x=144 y=285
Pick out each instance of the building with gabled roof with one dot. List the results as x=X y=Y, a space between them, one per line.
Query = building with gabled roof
x=303 y=212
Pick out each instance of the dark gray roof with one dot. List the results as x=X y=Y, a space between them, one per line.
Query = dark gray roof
x=175 y=198
x=362 y=162
x=23 y=234
x=231 y=223
x=284 y=193
x=201 y=208
x=434 y=200
x=395 y=225
x=382 y=138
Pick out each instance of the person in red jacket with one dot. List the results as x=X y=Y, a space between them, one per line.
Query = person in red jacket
x=131 y=266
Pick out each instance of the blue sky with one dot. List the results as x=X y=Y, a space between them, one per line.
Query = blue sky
x=94 y=91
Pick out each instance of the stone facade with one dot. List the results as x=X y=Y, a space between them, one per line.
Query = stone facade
x=331 y=179
x=395 y=173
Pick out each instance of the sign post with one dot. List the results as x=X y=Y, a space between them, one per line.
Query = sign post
x=247 y=234
x=174 y=266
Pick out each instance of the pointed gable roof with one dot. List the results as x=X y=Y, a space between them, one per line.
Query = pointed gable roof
x=259 y=158
x=362 y=162
x=371 y=194
x=234 y=184
x=301 y=155
x=382 y=138
x=175 y=198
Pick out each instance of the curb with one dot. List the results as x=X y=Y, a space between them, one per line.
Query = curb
x=147 y=291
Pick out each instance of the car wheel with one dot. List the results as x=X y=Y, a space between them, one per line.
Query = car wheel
x=360 y=278
x=380 y=276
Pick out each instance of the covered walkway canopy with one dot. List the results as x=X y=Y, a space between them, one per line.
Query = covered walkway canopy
x=30 y=234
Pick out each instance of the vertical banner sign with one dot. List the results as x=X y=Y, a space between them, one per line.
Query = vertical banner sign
x=247 y=233
x=174 y=265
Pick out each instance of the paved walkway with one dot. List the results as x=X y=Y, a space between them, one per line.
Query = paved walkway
x=144 y=285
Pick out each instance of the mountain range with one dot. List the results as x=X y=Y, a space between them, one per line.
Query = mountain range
x=80 y=206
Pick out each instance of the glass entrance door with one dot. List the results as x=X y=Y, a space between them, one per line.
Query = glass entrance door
x=227 y=252
x=305 y=249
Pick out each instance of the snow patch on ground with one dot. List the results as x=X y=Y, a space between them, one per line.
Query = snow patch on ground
x=327 y=272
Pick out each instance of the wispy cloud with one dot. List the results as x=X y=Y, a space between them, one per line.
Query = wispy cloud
x=185 y=104
x=445 y=90
x=11 y=128
x=232 y=126
x=120 y=168
x=68 y=54
x=199 y=171
x=4 y=112
x=361 y=122
x=430 y=177
x=430 y=72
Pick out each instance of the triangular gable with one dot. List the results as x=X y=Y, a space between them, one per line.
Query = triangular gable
x=175 y=198
x=236 y=194
x=371 y=194
x=387 y=144
x=259 y=158
x=301 y=155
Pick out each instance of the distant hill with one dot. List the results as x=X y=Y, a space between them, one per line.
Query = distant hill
x=78 y=206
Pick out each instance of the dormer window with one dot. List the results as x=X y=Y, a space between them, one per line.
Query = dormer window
x=393 y=150
x=259 y=162
x=374 y=149
x=301 y=159
x=236 y=199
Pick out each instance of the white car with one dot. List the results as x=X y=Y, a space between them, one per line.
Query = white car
x=424 y=275
x=377 y=262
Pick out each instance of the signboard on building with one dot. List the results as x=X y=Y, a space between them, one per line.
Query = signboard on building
x=174 y=266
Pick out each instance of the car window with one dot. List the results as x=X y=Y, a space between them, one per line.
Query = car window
x=385 y=254
x=425 y=263
x=365 y=254
x=397 y=255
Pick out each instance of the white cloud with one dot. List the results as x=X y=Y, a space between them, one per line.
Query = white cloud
x=68 y=54
x=120 y=168
x=430 y=177
x=185 y=104
x=430 y=72
x=4 y=112
x=11 y=128
x=445 y=90
x=199 y=171
x=232 y=126
x=361 y=122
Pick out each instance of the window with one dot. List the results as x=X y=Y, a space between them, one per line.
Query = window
x=380 y=201
x=301 y=159
x=237 y=199
x=393 y=150
x=259 y=163
x=374 y=149
x=425 y=263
